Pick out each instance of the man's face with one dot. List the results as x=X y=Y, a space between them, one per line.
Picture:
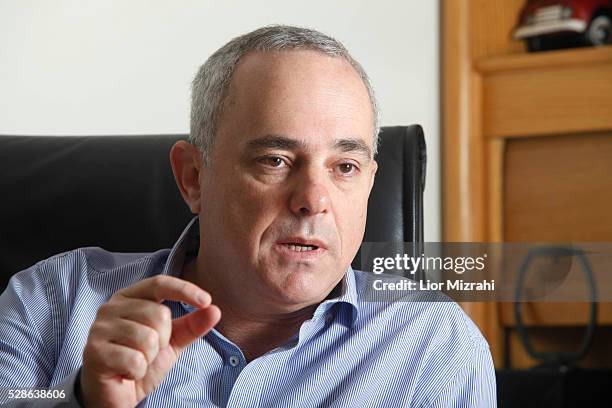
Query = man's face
x=284 y=195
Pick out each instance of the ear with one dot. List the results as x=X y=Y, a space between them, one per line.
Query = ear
x=186 y=160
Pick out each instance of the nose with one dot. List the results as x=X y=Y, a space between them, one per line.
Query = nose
x=310 y=195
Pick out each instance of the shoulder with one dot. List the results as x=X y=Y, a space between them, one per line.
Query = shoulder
x=92 y=268
x=99 y=260
x=443 y=344
x=47 y=309
x=432 y=313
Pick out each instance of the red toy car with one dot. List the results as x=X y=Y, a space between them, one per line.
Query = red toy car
x=553 y=24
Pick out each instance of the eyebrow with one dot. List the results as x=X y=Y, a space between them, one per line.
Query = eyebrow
x=353 y=145
x=285 y=143
x=274 y=142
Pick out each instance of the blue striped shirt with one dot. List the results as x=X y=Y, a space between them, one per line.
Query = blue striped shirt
x=351 y=353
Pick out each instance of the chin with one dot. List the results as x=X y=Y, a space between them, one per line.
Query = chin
x=300 y=300
x=301 y=288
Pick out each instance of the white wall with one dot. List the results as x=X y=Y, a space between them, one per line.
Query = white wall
x=120 y=67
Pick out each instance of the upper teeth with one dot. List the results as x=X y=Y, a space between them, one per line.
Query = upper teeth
x=300 y=247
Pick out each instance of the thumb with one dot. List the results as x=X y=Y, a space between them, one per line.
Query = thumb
x=186 y=329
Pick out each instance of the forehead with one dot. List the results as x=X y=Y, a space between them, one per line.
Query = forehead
x=303 y=95
x=308 y=73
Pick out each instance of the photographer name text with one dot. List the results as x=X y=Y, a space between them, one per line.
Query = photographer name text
x=459 y=284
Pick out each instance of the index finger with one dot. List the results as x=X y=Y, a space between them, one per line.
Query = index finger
x=164 y=287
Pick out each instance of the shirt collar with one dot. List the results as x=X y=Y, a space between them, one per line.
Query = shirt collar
x=347 y=297
x=187 y=245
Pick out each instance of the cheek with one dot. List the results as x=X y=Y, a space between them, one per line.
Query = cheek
x=249 y=210
x=352 y=224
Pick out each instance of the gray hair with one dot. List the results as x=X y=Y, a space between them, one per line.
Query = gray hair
x=211 y=84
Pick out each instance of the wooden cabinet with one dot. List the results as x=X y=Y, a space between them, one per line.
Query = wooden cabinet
x=527 y=150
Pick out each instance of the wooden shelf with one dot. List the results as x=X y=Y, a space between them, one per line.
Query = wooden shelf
x=547 y=93
x=546 y=59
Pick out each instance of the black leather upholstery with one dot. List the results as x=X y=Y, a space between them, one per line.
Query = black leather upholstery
x=118 y=192
x=395 y=208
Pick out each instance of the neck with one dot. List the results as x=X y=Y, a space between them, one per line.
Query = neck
x=254 y=331
x=258 y=334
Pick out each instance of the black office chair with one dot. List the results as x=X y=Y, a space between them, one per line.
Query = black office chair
x=118 y=193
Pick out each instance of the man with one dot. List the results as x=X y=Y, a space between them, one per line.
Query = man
x=279 y=170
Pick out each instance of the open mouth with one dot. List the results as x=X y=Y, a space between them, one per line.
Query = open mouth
x=300 y=247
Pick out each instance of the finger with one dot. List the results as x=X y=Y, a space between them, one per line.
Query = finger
x=136 y=336
x=163 y=287
x=194 y=325
x=110 y=360
x=146 y=312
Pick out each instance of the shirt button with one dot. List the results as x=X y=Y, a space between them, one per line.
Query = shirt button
x=234 y=361
x=329 y=317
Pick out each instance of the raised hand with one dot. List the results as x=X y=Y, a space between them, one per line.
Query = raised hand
x=134 y=342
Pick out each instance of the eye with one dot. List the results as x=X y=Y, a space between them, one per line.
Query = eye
x=347 y=169
x=276 y=162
